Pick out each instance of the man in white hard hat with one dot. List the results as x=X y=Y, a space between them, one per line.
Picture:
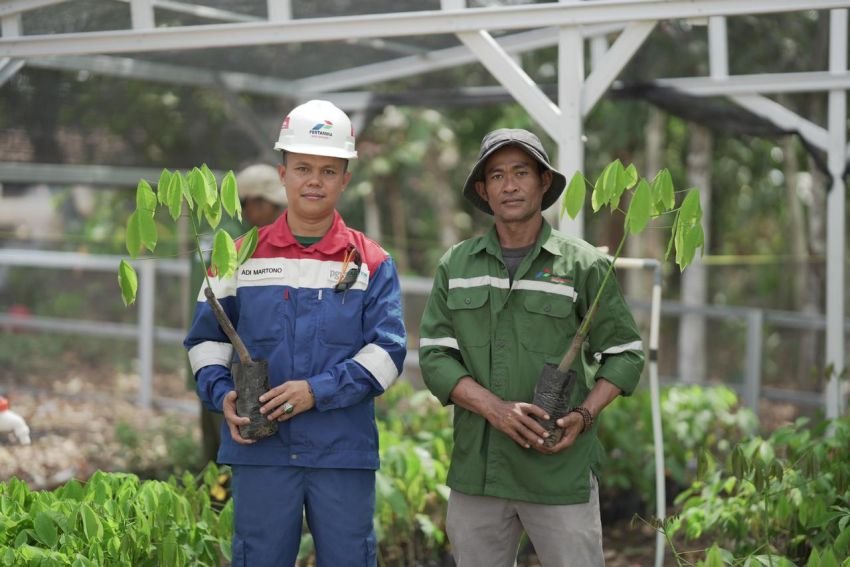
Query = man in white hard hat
x=321 y=303
x=261 y=193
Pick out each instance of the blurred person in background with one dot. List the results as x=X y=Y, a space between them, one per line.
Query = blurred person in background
x=261 y=193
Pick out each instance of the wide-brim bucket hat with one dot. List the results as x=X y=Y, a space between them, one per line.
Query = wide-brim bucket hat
x=528 y=142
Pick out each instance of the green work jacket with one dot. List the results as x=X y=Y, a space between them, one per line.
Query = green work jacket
x=476 y=323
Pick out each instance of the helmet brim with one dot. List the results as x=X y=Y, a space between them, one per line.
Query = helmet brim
x=315 y=150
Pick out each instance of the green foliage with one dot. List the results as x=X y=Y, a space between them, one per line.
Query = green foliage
x=115 y=519
x=411 y=494
x=782 y=499
x=647 y=201
x=198 y=189
x=693 y=419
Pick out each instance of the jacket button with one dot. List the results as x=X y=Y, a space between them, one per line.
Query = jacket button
x=467 y=300
x=293 y=457
x=547 y=308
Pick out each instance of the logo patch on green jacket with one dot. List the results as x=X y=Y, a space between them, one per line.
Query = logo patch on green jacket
x=546 y=274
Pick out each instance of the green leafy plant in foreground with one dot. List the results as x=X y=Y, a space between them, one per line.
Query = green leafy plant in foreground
x=779 y=501
x=693 y=418
x=115 y=519
x=199 y=191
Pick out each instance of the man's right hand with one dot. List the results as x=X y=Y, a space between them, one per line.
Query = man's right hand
x=233 y=420
x=516 y=420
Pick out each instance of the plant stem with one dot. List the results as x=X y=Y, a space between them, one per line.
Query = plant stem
x=227 y=327
x=584 y=328
x=220 y=315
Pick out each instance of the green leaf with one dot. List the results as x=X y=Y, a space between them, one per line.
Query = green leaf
x=128 y=281
x=133 y=236
x=210 y=187
x=842 y=542
x=631 y=176
x=609 y=186
x=92 y=526
x=162 y=186
x=692 y=240
x=213 y=213
x=224 y=254
x=597 y=197
x=175 y=197
x=230 y=196
x=197 y=188
x=247 y=245
x=640 y=208
x=688 y=232
x=574 y=196
x=141 y=231
x=184 y=189
x=663 y=197
x=45 y=527
x=145 y=198
x=616 y=184
x=714 y=557
x=828 y=558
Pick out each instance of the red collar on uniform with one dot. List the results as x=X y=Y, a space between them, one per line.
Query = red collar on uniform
x=334 y=240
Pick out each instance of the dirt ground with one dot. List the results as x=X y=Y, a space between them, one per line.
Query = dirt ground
x=85 y=423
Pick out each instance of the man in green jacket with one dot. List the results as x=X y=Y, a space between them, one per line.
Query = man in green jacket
x=502 y=306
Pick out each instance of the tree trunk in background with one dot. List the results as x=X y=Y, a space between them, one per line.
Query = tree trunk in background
x=399 y=224
x=811 y=355
x=444 y=201
x=372 y=216
x=799 y=265
x=692 y=359
x=648 y=244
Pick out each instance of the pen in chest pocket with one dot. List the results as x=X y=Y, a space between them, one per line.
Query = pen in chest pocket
x=349 y=273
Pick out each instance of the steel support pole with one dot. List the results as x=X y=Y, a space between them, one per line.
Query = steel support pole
x=836 y=209
x=655 y=399
x=141 y=14
x=752 y=374
x=571 y=128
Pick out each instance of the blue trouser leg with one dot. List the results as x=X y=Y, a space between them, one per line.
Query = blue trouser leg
x=268 y=515
x=340 y=506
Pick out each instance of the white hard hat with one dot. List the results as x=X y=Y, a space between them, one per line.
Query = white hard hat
x=318 y=128
x=261 y=180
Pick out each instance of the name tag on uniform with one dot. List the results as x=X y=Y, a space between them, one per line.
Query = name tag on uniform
x=261 y=269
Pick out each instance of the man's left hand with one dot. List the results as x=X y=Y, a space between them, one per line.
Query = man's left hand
x=287 y=400
x=573 y=425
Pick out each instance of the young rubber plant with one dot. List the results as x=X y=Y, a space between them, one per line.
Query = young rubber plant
x=648 y=200
x=198 y=190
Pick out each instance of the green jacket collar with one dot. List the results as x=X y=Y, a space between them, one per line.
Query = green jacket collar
x=489 y=242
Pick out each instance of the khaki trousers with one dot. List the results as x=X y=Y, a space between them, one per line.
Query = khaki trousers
x=485 y=531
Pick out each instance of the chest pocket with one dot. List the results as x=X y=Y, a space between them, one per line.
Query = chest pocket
x=470 y=315
x=341 y=318
x=548 y=323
